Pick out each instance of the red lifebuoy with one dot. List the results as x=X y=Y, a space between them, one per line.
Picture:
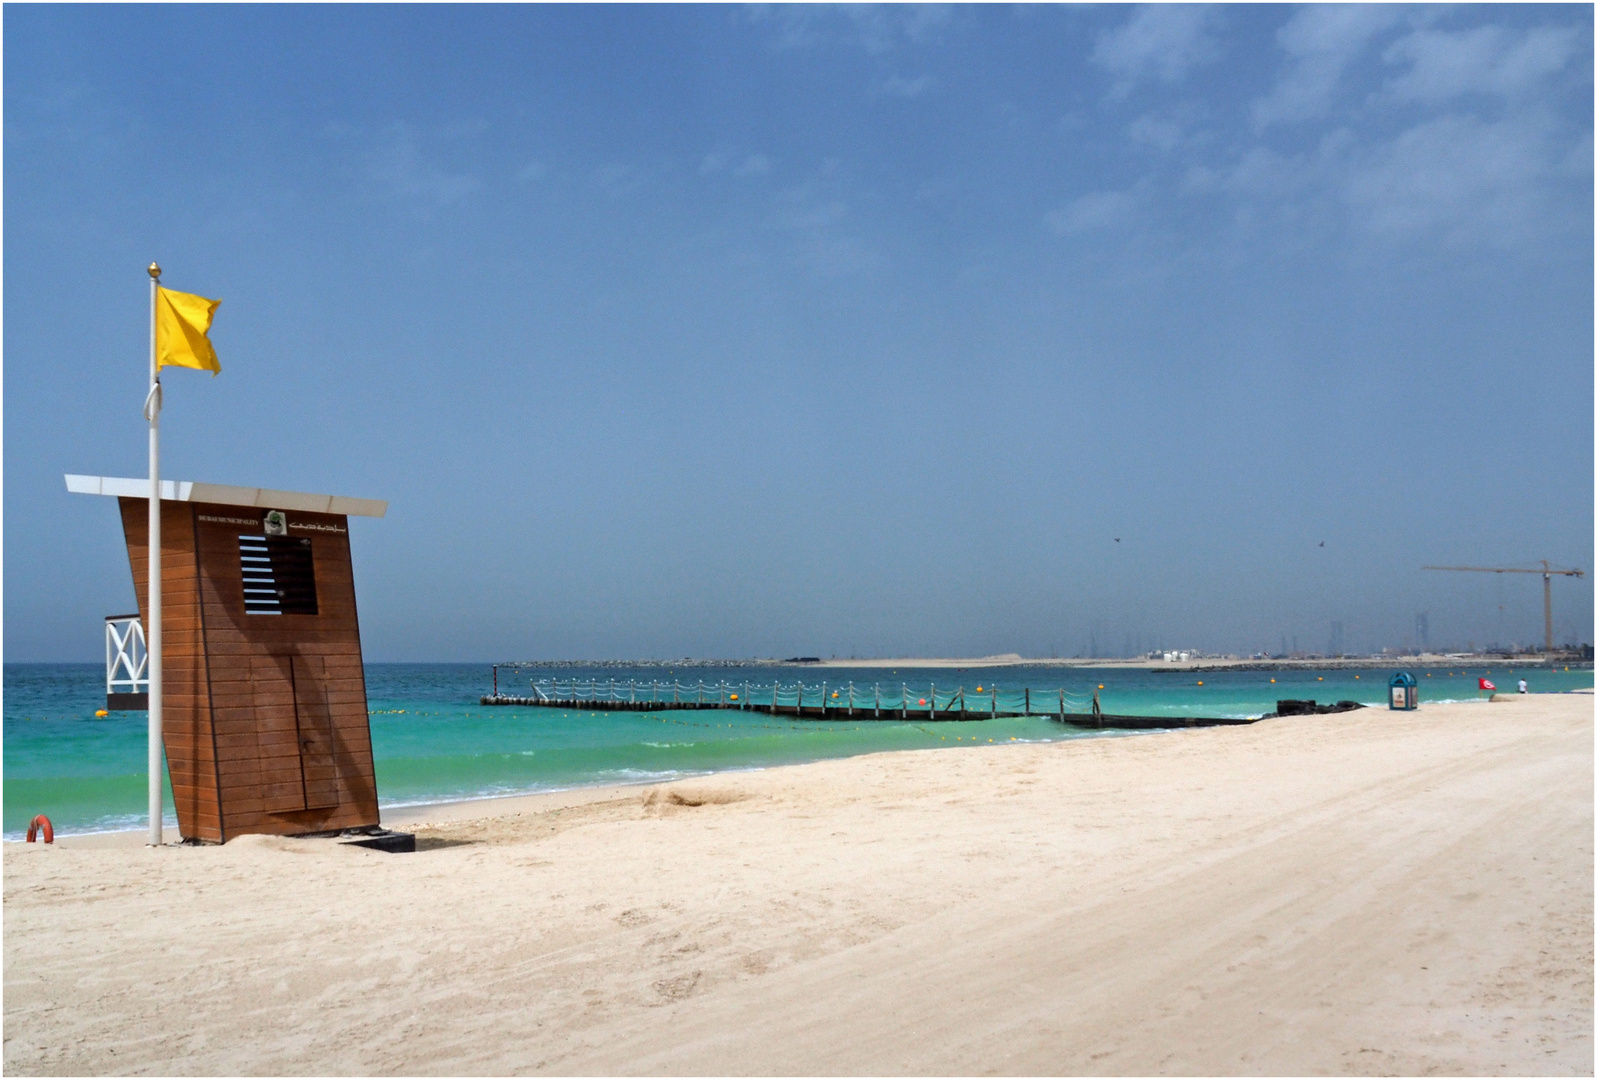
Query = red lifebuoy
x=41 y=822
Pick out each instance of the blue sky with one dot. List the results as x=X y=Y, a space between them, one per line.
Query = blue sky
x=724 y=331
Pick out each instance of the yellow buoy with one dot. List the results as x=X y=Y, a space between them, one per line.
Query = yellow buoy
x=101 y=712
x=1272 y=680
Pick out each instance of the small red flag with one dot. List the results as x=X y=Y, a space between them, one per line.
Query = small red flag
x=1486 y=684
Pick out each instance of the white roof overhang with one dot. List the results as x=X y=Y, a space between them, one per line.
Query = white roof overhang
x=228 y=495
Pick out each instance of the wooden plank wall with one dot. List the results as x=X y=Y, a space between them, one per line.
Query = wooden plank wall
x=186 y=722
x=285 y=710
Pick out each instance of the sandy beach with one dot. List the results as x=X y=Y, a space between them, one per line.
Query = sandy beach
x=1369 y=892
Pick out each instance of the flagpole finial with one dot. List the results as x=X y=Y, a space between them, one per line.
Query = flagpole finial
x=155 y=271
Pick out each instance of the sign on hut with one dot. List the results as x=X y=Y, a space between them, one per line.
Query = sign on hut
x=264 y=699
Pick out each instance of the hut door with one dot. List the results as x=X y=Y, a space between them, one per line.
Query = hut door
x=316 y=758
x=294 y=733
x=282 y=779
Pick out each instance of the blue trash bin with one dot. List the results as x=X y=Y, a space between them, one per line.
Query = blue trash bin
x=1402 y=692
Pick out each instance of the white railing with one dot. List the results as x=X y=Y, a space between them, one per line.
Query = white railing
x=841 y=697
x=127 y=662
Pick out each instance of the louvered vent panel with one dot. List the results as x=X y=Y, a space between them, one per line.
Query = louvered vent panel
x=279 y=576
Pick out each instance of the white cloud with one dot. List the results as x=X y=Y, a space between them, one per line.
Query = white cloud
x=1159 y=41
x=1093 y=211
x=753 y=165
x=1155 y=131
x=838 y=256
x=898 y=86
x=1577 y=158
x=1466 y=179
x=1482 y=60
x=719 y=160
x=879 y=27
x=1258 y=172
x=1322 y=42
x=467 y=128
x=801 y=209
x=399 y=166
x=617 y=179
x=816 y=216
x=876 y=28
x=1453 y=179
x=1409 y=128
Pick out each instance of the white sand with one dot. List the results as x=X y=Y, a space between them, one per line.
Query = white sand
x=1370 y=892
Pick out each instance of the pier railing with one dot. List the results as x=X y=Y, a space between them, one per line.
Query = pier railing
x=825 y=700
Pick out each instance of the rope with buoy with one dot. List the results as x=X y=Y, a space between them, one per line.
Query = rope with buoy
x=41 y=822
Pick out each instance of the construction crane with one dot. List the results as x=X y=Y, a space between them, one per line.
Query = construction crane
x=1547 y=571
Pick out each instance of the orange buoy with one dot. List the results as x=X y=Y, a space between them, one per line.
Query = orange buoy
x=41 y=822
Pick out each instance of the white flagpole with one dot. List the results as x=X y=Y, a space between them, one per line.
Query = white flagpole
x=152 y=412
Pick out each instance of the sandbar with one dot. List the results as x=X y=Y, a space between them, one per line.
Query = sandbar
x=1199 y=663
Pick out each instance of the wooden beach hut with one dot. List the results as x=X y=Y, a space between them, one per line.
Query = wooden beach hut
x=265 y=725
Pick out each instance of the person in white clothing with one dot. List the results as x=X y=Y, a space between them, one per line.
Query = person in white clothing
x=1524 y=687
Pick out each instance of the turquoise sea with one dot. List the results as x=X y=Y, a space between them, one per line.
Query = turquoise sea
x=435 y=743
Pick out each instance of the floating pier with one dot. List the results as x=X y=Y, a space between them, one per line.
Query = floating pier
x=840 y=702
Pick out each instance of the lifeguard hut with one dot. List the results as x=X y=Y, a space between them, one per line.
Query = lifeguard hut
x=265 y=726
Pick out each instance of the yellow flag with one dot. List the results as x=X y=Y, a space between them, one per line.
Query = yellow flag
x=181 y=322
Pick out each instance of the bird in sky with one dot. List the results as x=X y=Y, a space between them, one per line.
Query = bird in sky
x=1117 y=539
x=1322 y=543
